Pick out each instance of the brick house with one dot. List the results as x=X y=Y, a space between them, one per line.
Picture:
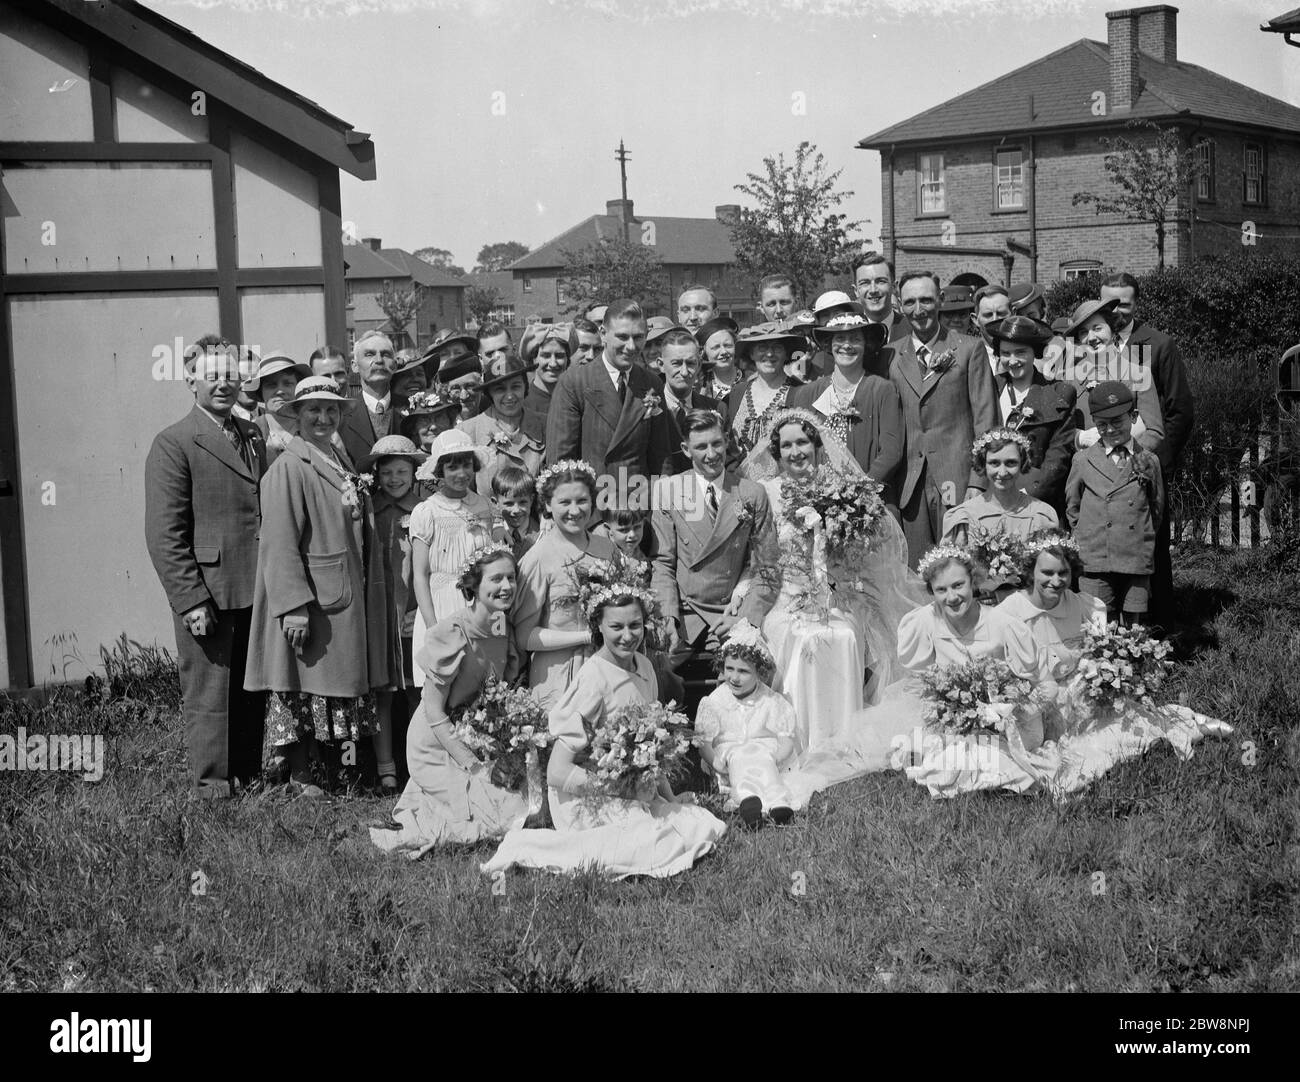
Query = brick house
x=980 y=187
x=370 y=267
x=693 y=250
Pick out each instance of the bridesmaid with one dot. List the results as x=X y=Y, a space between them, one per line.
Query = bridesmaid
x=549 y=622
x=656 y=833
x=449 y=797
x=1000 y=457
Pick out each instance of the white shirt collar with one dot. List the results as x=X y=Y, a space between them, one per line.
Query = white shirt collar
x=703 y=485
x=672 y=401
x=372 y=402
x=917 y=343
x=219 y=422
x=614 y=373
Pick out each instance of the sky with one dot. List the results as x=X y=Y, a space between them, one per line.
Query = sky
x=497 y=120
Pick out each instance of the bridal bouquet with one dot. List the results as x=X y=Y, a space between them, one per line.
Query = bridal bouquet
x=637 y=744
x=500 y=725
x=980 y=695
x=1002 y=554
x=1120 y=665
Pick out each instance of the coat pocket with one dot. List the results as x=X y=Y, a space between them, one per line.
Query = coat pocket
x=207 y=555
x=329 y=580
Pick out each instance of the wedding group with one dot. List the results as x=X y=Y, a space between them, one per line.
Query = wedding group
x=913 y=530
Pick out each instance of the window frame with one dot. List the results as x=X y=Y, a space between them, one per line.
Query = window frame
x=526 y=283
x=997 y=184
x=942 y=212
x=1078 y=268
x=1261 y=178
x=1206 y=174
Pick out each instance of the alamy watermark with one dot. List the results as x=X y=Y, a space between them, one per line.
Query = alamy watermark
x=79 y=753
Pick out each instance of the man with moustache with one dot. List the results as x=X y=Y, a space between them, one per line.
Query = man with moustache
x=948 y=395
x=696 y=305
x=202 y=524
x=373 y=359
x=680 y=365
x=992 y=306
x=598 y=410
x=873 y=284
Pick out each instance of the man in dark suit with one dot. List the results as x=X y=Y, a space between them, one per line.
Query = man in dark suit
x=946 y=387
x=1159 y=353
x=873 y=283
x=680 y=363
x=202 y=522
x=598 y=410
x=373 y=359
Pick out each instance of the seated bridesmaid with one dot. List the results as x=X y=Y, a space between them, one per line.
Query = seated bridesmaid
x=449 y=797
x=1055 y=615
x=657 y=833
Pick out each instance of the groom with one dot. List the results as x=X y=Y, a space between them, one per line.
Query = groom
x=713 y=531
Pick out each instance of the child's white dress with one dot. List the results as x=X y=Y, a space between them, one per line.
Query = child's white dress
x=746 y=735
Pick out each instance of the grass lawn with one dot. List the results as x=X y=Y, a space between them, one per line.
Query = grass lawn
x=1164 y=876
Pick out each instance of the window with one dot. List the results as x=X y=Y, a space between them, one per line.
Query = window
x=1256 y=179
x=1080 y=268
x=504 y=314
x=528 y=284
x=929 y=180
x=1205 y=170
x=352 y=338
x=347 y=292
x=1010 y=180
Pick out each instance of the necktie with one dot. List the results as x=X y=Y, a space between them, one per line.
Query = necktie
x=238 y=443
x=679 y=415
x=711 y=498
x=379 y=409
x=923 y=359
x=622 y=387
x=1121 y=456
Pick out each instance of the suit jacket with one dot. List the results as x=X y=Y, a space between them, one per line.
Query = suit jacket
x=1177 y=409
x=877 y=439
x=944 y=412
x=1049 y=417
x=587 y=420
x=1112 y=513
x=664 y=451
x=699 y=564
x=357 y=428
x=203 y=514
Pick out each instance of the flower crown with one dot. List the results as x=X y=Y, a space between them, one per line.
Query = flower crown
x=607 y=594
x=941 y=554
x=1038 y=543
x=574 y=465
x=747 y=642
x=485 y=554
x=1001 y=435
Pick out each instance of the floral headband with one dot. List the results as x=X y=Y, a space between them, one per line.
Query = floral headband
x=747 y=642
x=608 y=593
x=1037 y=544
x=797 y=413
x=568 y=465
x=485 y=555
x=941 y=554
x=1001 y=435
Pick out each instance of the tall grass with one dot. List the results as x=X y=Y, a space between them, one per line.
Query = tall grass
x=1165 y=875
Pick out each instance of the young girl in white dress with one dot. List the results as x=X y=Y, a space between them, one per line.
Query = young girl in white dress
x=445 y=529
x=746 y=731
x=656 y=834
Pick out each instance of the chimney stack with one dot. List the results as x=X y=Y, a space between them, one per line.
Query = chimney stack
x=620 y=209
x=373 y=243
x=1158 y=32
x=728 y=213
x=1122 y=37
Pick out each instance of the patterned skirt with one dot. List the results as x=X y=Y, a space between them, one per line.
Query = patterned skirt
x=294 y=715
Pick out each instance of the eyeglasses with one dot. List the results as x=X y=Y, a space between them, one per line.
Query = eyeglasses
x=1109 y=425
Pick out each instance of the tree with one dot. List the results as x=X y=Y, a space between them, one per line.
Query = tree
x=794 y=228
x=440 y=257
x=497 y=257
x=400 y=306
x=481 y=302
x=612 y=268
x=1147 y=175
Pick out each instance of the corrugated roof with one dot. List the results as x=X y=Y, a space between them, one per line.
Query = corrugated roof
x=1056 y=92
x=173 y=48
x=360 y=261
x=703 y=241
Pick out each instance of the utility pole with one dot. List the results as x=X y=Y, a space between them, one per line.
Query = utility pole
x=621 y=156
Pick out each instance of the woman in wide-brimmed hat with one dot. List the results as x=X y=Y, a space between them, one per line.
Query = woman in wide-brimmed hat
x=1098 y=356
x=446 y=528
x=412 y=374
x=1040 y=408
x=272 y=385
x=717 y=339
x=509 y=434
x=751 y=405
x=322 y=641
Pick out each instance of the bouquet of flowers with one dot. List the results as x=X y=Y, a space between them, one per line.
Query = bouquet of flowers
x=635 y=745
x=980 y=695
x=1001 y=554
x=1120 y=665
x=500 y=725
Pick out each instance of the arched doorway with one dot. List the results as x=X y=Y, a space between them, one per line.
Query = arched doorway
x=975 y=281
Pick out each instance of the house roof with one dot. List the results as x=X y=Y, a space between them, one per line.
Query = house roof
x=703 y=241
x=502 y=281
x=1288 y=23
x=1053 y=92
x=171 y=47
x=360 y=261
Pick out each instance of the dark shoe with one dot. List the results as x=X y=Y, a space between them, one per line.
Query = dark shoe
x=782 y=815
x=751 y=812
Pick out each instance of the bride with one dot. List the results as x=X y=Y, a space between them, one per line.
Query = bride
x=830 y=623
